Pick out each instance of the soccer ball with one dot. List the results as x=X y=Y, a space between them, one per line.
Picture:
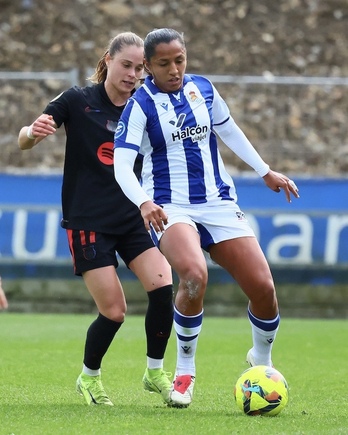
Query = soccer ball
x=261 y=390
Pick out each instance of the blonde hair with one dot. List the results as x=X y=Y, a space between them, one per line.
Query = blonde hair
x=115 y=45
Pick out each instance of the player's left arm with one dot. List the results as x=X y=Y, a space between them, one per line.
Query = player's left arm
x=236 y=140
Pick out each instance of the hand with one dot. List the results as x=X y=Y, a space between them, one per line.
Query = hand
x=43 y=126
x=276 y=182
x=154 y=215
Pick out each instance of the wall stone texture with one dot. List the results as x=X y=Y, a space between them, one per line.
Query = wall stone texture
x=297 y=129
x=71 y=296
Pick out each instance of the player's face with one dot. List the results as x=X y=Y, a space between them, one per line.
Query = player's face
x=168 y=66
x=125 y=68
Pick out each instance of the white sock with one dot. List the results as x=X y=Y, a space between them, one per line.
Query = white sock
x=154 y=363
x=187 y=331
x=263 y=333
x=90 y=372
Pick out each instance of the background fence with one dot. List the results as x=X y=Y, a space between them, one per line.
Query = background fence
x=298 y=124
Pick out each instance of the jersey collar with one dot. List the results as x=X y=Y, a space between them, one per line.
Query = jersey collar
x=155 y=90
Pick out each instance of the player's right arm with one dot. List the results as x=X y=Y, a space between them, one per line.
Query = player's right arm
x=128 y=139
x=31 y=135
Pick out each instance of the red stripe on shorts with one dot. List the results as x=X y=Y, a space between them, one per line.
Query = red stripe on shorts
x=70 y=241
x=82 y=237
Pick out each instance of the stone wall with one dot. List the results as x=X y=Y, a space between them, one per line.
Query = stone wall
x=296 y=129
x=71 y=296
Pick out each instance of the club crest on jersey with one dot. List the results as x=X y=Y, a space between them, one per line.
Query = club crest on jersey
x=121 y=128
x=196 y=133
x=193 y=97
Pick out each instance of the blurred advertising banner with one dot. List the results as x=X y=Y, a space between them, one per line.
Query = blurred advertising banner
x=311 y=231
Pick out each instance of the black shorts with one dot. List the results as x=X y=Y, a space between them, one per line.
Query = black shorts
x=92 y=250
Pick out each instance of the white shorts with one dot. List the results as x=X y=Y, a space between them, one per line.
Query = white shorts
x=215 y=224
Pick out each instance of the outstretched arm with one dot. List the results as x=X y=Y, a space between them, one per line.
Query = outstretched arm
x=236 y=140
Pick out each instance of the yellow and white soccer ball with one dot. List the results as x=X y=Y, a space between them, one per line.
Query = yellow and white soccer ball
x=261 y=390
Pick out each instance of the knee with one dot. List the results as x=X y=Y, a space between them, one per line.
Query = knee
x=194 y=283
x=268 y=288
x=265 y=295
x=116 y=313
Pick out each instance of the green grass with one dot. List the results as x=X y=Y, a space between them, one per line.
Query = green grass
x=41 y=357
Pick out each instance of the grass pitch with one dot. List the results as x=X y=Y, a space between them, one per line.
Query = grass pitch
x=41 y=357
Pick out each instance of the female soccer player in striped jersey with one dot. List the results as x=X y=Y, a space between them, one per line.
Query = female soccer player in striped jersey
x=189 y=199
x=101 y=221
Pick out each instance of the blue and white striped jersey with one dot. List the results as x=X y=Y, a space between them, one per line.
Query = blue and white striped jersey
x=174 y=133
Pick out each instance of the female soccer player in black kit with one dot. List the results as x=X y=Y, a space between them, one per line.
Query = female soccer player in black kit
x=101 y=221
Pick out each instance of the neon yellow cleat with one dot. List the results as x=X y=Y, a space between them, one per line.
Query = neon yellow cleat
x=157 y=381
x=91 y=388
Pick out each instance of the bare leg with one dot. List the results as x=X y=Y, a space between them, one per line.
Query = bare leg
x=245 y=261
x=181 y=245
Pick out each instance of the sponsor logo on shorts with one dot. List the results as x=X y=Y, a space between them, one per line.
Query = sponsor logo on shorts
x=240 y=215
x=89 y=252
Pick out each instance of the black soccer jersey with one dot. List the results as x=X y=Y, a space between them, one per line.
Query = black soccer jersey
x=91 y=198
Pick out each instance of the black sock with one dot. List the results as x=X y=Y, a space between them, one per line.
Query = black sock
x=99 y=337
x=159 y=321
